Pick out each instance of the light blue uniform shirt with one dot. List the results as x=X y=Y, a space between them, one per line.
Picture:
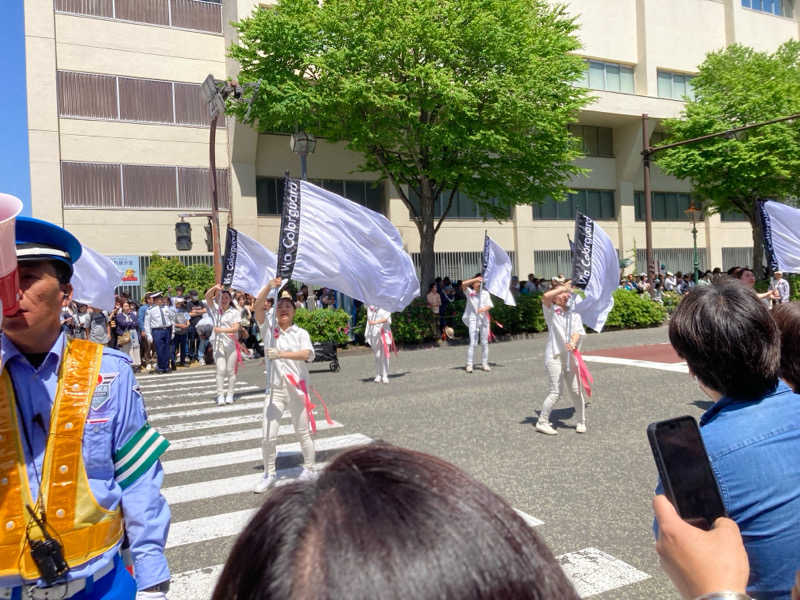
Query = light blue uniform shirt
x=117 y=415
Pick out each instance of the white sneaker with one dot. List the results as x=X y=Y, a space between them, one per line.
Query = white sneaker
x=221 y=400
x=580 y=428
x=229 y=399
x=546 y=428
x=469 y=368
x=307 y=475
x=486 y=367
x=377 y=379
x=385 y=380
x=264 y=484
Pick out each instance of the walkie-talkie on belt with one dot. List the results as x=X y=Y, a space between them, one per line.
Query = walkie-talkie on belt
x=47 y=553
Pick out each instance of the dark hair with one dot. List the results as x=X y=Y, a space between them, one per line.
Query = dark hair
x=729 y=340
x=63 y=271
x=385 y=522
x=787 y=317
x=741 y=271
x=284 y=300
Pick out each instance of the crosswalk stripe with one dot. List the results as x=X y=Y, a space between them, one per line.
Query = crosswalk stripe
x=203 y=529
x=177 y=375
x=215 y=488
x=212 y=410
x=593 y=572
x=152 y=407
x=211 y=424
x=531 y=521
x=167 y=396
x=631 y=362
x=183 y=382
x=238 y=436
x=197 y=584
x=182 y=465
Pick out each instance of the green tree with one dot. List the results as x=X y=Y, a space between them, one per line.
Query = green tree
x=738 y=86
x=165 y=273
x=439 y=96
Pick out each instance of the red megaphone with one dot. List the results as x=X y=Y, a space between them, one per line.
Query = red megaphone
x=10 y=207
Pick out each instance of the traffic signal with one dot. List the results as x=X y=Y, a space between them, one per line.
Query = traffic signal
x=209 y=238
x=183 y=235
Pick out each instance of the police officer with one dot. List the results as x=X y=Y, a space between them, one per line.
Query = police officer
x=158 y=323
x=79 y=466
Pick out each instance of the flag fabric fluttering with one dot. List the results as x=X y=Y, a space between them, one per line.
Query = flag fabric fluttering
x=328 y=240
x=497 y=268
x=248 y=265
x=595 y=270
x=94 y=280
x=781 y=227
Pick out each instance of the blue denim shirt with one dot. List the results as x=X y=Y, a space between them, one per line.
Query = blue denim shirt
x=754 y=448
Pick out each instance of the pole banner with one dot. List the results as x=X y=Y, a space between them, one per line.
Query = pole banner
x=595 y=270
x=781 y=225
x=290 y=228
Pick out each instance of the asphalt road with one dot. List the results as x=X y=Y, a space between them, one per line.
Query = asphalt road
x=590 y=491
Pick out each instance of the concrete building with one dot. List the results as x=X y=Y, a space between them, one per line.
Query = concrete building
x=119 y=136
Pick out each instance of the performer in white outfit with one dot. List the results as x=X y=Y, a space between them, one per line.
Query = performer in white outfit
x=476 y=318
x=289 y=348
x=378 y=335
x=224 y=339
x=565 y=331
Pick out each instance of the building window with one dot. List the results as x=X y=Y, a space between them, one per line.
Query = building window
x=112 y=185
x=115 y=98
x=597 y=204
x=596 y=141
x=463 y=206
x=667 y=206
x=607 y=76
x=675 y=85
x=269 y=193
x=182 y=14
x=782 y=8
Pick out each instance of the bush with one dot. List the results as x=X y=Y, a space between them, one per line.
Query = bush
x=632 y=310
x=324 y=325
x=671 y=301
x=165 y=273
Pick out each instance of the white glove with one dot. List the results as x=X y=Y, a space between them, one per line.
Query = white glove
x=272 y=353
x=142 y=595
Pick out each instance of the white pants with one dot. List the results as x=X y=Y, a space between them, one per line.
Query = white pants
x=381 y=360
x=281 y=399
x=226 y=367
x=473 y=340
x=560 y=378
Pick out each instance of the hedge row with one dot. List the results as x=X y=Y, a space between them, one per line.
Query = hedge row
x=416 y=324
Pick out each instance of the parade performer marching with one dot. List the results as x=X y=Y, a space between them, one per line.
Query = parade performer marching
x=224 y=340
x=288 y=348
x=79 y=466
x=565 y=335
x=476 y=318
x=378 y=335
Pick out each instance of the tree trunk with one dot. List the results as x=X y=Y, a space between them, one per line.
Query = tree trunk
x=758 y=242
x=427 y=238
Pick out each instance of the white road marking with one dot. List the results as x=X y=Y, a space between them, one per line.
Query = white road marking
x=195 y=403
x=177 y=375
x=194 y=585
x=182 y=382
x=593 y=572
x=231 y=437
x=183 y=465
x=531 y=521
x=213 y=410
x=208 y=392
x=645 y=364
x=204 y=490
x=208 y=528
x=213 y=423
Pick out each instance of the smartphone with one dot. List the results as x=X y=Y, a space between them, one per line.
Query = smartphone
x=685 y=471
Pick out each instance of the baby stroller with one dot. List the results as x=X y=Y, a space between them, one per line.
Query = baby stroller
x=326 y=352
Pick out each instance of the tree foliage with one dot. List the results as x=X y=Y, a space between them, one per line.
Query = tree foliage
x=438 y=96
x=740 y=86
x=165 y=273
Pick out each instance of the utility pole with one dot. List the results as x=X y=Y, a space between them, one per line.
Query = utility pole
x=648 y=201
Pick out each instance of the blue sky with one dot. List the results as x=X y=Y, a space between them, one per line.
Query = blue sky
x=14 y=161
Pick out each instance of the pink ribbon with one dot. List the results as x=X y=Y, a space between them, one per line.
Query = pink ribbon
x=239 y=359
x=388 y=346
x=586 y=378
x=301 y=385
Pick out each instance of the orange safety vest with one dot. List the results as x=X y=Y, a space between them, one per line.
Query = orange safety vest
x=85 y=528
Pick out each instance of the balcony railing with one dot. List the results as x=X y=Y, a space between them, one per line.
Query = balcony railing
x=183 y=14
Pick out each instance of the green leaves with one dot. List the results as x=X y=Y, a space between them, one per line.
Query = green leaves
x=165 y=273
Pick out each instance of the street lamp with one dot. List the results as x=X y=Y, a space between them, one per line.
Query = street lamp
x=694 y=213
x=303 y=143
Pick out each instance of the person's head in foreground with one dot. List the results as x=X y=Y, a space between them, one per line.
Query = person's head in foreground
x=728 y=339
x=385 y=522
x=787 y=317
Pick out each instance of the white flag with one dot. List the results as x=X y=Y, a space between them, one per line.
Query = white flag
x=781 y=225
x=248 y=265
x=94 y=280
x=327 y=240
x=595 y=270
x=497 y=269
